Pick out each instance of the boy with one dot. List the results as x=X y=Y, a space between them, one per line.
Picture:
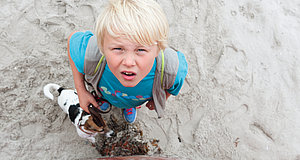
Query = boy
x=130 y=35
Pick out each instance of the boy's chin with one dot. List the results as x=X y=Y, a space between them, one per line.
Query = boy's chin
x=129 y=83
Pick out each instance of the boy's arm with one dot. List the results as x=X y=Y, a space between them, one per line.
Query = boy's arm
x=181 y=74
x=85 y=97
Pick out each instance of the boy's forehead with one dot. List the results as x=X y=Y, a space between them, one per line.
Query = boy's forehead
x=122 y=40
x=116 y=38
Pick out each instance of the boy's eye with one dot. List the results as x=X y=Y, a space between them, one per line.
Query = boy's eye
x=141 y=50
x=118 y=49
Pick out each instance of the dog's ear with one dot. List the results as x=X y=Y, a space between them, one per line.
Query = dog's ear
x=96 y=114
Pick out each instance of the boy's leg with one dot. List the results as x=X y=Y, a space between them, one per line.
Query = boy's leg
x=130 y=114
x=104 y=106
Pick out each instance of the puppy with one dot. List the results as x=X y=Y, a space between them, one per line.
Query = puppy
x=87 y=125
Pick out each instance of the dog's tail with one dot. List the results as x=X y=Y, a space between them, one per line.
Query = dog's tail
x=50 y=86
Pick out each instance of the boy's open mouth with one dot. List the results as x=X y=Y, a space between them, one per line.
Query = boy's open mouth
x=128 y=73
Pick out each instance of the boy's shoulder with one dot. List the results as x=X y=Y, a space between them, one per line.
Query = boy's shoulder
x=93 y=49
x=168 y=60
x=93 y=57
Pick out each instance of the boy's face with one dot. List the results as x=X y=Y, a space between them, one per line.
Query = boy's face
x=128 y=61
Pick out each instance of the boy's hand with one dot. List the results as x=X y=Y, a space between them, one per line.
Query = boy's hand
x=150 y=105
x=85 y=99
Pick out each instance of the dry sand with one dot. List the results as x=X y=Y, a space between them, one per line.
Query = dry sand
x=240 y=99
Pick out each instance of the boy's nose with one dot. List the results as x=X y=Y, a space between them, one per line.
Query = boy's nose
x=129 y=59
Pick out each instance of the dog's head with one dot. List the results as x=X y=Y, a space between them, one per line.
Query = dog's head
x=95 y=122
x=91 y=126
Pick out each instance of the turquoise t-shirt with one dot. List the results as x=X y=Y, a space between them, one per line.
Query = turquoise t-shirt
x=110 y=87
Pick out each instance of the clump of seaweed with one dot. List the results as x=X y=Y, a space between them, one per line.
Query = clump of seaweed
x=127 y=140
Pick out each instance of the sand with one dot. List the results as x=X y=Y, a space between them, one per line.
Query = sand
x=240 y=99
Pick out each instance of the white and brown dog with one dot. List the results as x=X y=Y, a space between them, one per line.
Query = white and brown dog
x=87 y=125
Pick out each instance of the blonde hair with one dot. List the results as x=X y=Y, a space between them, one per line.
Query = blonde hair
x=140 y=21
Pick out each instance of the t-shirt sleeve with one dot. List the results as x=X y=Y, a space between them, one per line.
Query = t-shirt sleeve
x=181 y=74
x=78 y=44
